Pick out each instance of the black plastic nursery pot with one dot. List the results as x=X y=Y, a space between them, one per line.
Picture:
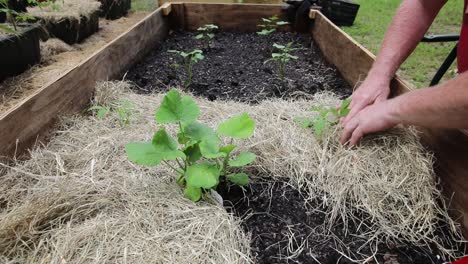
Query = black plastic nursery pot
x=19 y=52
x=2 y=17
x=71 y=30
x=114 y=9
x=341 y=12
x=18 y=5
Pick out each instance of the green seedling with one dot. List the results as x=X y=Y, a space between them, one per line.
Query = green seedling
x=13 y=18
x=187 y=61
x=282 y=57
x=124 y=110
x=206 y=34
x=197 y=156
x=326 y=117
x=270 y=25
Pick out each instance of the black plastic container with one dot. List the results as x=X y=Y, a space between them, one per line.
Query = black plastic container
x=2 y=17
x=114 y=9
x=73 y=31
x=19 y=52
x=340 y=12
x=18 y=5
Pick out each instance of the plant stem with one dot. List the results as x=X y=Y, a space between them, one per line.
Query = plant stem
x=173 y=168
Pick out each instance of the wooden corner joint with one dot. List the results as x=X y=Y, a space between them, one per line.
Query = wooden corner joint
x=313 y=13
x=166 y=9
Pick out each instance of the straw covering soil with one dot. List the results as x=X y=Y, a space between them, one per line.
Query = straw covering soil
x=78 y=199
x=65 y=9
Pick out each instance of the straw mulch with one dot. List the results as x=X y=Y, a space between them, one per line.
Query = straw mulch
x=79 y=200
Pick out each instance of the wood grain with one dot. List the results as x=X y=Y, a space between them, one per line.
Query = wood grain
x=230 y=17
x=351 y=59
x=33 y=118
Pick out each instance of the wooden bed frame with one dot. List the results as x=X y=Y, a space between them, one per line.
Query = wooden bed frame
x=34 y=118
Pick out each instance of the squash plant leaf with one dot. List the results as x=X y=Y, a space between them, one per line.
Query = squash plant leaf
x=243 y=159
x=176 y=108
x=209 y=141
x=166 y=146
x=193 y=153
x=193 y=193
x=227 y=149
x=239 y=178
x=240 y=127
x=204 y=175
x=143 y=154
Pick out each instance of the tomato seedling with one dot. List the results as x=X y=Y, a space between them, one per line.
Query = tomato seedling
x=207 y=34
x=326 y=117
x=188 y=60
x=270 y=25
x=197 y=156
x=282 y=57
x=13 y=18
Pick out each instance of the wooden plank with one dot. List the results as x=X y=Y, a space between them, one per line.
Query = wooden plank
x=230 y=17
x=34 y=117
x=166 y=9
x=161 y=2
x=351 y=59
x=450 y=146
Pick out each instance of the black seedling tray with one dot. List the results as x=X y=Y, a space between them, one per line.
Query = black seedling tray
x=72 y=31
x=114 y=9
x=19 y=52
x=341 y=12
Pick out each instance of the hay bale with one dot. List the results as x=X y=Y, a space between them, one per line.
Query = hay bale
x=79 y=198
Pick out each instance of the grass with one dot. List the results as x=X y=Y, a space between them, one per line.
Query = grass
x=372 y=22
x=144 y=5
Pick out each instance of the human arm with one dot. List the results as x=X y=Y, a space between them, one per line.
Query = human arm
x=442 y=106
x=411 y=21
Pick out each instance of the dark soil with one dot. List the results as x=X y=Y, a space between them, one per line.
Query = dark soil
x=234 y=68
x=273 y=213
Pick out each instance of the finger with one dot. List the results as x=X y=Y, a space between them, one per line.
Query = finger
x=354 y=110
x=348 y=131
x=356 y=137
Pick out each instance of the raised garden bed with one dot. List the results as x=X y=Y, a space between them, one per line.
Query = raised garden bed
x=71 y=21
x=113 y=9
x=20 y=52
x=350 y=59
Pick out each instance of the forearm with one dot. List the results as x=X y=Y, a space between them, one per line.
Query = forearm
x=443 y=106
x=411 y=21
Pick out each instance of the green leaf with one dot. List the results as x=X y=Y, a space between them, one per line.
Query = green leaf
x=211 y=35
x=143 y=154
x=199 y=36
x=239 y=178
x=166 y=146
x=209 y=140
x=282 y=23
x=175 y=108
x=344 y=110
x=227 y=149
x=319 y=125
x=193 y=153
x=204 y=175
x=278 y=46
x=303 y=121
x=193 y=193
x=240 y=126
x=243 y=159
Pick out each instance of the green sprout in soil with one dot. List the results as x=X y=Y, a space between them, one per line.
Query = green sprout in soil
x=206 y=34
x=188 y=60
x=270 y=25
x=124 y=110
x=326 y=118
x=13 y=18
x=282 y=57
x=197 y=157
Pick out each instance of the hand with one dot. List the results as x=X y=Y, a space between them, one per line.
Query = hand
x=372 y=90
x=376 y=117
